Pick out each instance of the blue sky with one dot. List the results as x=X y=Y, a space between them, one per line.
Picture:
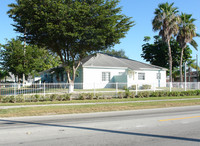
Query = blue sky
x=141 y=11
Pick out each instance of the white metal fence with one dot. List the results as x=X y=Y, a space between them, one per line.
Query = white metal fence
x=110 y=88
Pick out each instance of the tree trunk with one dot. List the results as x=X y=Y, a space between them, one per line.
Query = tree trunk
x=170 y=61
x=189 y=75
x=181 y=62
x=72 y=80
x=71 y=83
x=71 y=87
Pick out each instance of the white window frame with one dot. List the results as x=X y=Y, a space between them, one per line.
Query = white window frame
x=105 y=76
x=158 y=76
x=141 y=76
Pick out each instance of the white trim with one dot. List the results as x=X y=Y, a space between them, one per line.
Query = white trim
x=105 y=67
x=153 y=69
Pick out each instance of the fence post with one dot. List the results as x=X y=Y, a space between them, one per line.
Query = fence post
x=94 y=89
x=15 y=91
x=185 y=86
x=136 y=89
x=116 y=86
x=44 y=89
x=170 y=86
x=154 y=87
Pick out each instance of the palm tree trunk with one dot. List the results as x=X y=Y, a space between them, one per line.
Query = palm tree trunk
x=170 y=61
x=181 y=62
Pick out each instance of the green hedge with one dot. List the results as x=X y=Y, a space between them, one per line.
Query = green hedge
x=91 y=96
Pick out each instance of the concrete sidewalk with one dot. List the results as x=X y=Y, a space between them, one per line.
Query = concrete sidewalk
x=70 y=104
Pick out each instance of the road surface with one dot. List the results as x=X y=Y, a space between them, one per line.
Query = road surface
x=152 y=127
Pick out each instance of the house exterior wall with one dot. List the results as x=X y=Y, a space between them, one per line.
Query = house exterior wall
x=92 y=77
x=150 y=78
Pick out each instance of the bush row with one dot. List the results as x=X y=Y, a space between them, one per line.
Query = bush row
x=91 y=96
x=34 y=98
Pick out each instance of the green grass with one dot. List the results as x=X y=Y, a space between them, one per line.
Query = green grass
x=53 y=110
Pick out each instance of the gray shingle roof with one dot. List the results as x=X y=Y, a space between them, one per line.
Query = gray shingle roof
x=105 y=60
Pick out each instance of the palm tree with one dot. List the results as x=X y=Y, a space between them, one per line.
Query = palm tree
x=187 y=30
x=166 y=22
x=191 y=64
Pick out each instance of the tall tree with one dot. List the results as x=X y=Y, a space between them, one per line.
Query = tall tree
x=187 y=30
x=35 y=60
x=166 y=22
x=157 y=53
x=3 y=74
x=120 y=53
x=71 y=28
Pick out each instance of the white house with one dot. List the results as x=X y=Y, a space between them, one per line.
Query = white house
x=103 y=70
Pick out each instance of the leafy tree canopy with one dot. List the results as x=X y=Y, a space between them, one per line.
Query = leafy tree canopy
x=120 y=53
x=35 y=60
x=71 y=28
x=157 y=53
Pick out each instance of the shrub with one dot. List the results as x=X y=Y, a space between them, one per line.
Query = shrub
x=82 y=96
x=127 y=93
x=133 y=87
x=163 y=94
x=139 y=95
x=37 y=97
x=197 y=92
x=47 y=99
x=42 y=98
x=146 y=86
x=1 y=97
x=155 y=94
x=143 y=94
x=98 y=96
x=175 y=93
x=12 y=99
x=60 y=97
x=90 y=96
x=53 y=97
x=19 y=99
x=6 y=99
x=66 y=97
x=121 y=95
x=125 y=87
x=132 y=94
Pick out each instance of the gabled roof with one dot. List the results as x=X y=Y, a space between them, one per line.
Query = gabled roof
x=105 y=60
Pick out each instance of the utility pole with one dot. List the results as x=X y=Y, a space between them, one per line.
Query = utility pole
x=24 y=53
x=185 y=75
x=197 y=68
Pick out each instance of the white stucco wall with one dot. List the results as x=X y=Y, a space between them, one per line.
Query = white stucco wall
x=150 y=78
x=92 y=77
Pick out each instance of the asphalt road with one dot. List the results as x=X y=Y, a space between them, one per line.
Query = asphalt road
x=154 y=127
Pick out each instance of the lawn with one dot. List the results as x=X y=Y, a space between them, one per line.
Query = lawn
x=53 y=110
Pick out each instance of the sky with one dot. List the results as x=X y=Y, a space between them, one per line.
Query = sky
x=141 y=11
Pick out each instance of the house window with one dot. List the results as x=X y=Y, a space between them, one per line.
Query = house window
x=158 y=76
x=105 y=76
x=141 y=76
